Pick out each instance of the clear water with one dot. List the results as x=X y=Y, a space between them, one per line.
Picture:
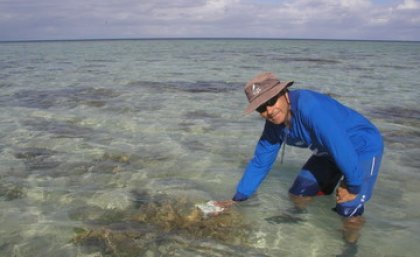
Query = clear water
x=94 y=128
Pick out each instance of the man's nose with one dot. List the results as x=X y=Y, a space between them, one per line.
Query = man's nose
x=270 y=109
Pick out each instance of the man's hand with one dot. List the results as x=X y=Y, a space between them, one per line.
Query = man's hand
x=343 y=195
x=225 y=203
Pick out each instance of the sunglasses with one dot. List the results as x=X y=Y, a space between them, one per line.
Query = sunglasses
x=262 y=108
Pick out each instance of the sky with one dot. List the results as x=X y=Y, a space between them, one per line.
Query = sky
x=119 y=19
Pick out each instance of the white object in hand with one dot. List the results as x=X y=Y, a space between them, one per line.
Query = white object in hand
x=210 y=208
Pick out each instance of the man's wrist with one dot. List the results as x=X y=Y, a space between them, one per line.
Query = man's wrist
x=239 y=197
x=354 y=189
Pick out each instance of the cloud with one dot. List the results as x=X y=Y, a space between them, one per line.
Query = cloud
x=342 y=19
x=409 y=5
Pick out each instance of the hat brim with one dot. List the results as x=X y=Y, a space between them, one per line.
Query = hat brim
x=267 y=96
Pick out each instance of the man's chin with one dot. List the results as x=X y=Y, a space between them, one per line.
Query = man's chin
x=275 y=121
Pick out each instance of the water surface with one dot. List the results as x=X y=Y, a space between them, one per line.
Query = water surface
x=91 y=132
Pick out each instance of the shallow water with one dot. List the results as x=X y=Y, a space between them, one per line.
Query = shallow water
x=92 y=130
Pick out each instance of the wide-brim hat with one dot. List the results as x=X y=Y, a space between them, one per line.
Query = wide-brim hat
x=262 y=88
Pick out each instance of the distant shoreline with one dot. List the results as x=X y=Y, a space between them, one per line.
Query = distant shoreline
x=203 y=38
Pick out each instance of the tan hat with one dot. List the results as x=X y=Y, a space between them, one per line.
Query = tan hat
x=262 y=88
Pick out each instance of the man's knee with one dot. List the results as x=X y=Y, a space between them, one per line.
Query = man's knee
x=350 y=209
x=305 y=185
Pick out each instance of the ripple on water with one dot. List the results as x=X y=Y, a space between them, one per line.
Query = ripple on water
x=59 y=129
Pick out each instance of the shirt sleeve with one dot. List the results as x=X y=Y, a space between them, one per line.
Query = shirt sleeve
x=332 y=136
x=258 y=167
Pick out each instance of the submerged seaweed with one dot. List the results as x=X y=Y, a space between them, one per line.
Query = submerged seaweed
x=68 y=97
x=37 y=158
x=10 y=191
x=189 y=87
x=170 y=215
x=158 y=226
x=398 y=115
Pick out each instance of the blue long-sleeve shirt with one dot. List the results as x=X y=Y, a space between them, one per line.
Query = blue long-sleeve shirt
x=323 y=125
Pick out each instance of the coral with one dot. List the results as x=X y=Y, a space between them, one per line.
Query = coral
x=160 y=226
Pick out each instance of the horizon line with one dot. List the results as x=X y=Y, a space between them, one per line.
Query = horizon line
x=200 y=38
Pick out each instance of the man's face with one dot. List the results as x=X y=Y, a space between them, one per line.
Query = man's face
x=279 y=112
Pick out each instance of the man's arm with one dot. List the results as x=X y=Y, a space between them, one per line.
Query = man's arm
x=257 y=169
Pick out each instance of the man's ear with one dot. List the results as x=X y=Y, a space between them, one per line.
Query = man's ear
x=287 y=97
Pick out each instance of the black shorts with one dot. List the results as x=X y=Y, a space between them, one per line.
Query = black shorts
x=320 y=175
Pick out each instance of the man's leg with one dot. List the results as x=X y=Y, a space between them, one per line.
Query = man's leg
x=352 y=227
x=300 y=202
x=352 y=211
x=319 y=176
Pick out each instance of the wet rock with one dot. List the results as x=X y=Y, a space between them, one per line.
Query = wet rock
x=109 y=163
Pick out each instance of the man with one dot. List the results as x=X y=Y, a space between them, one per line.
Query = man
x=347 y=148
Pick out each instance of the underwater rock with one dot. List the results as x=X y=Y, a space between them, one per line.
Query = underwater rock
x=120 y=158
x=67 y=98
x=189 y=87
x=58 y=129
x=397 y=114
x=111 y=199
x=108 y=163
x=284 y=218
x=33 y=153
